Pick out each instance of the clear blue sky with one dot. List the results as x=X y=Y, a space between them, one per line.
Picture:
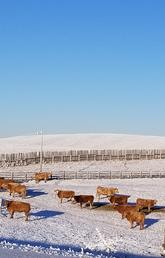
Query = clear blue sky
x=84 y=66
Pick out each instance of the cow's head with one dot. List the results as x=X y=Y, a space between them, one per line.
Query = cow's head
x=56 y=190
x=5 y=202
x=4 y=186
x=77 y=198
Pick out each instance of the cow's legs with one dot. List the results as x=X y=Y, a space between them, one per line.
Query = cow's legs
x=26 y=216
x=91 y=203
x=141 y=225
x=98 y=196
x=12 y=214
x=131 y=224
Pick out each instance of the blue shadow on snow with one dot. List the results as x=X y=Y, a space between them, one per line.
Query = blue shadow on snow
x=77 y=249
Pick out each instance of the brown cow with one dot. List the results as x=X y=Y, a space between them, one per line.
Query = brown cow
x=9 y=185
x=84 y=199
x=15 y=206
x=108 y=191
x=119 y=199
x=135 y=216
x=65 y=194
x=16 y=188
x=42 y=176
x=145 y=203
x=123 y=209
x=4 y=182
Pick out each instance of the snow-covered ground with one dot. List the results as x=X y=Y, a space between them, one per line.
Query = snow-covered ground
x=94 y=166
x=65 y=229
x=66 y=142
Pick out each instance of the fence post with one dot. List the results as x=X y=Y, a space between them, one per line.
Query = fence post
x=12 y=175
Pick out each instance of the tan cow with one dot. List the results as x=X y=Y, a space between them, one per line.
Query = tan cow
x=16 y=206
x=108 y=191
x=65 y=194
x=84 y=199
x=145 y=203
x=16 y=188
x=42 y=176
x=4 y=182
x=7 y=186
x=135 y=216
x=124 y=209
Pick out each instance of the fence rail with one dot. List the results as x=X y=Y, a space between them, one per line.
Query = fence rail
x=67 y=175
x=23 y=159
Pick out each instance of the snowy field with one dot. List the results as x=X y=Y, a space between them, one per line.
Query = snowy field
x=66 y=142
x=65 y=229
x=94 y=166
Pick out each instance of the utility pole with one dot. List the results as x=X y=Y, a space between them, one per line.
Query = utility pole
x=41 y=150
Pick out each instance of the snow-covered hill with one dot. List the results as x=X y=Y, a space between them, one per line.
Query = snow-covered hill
x=65 y=142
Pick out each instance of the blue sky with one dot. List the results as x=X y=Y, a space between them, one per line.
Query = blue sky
x=84 y=66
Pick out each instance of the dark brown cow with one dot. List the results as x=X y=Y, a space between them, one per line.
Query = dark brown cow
x=119 y=199
x=84 y=199
x=145 y=203
x=16 y=206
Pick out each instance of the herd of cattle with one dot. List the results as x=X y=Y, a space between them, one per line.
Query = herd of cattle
x=133 y=213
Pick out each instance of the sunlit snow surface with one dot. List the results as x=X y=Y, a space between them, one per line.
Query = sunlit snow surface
x=66 y=230
x=56 y=228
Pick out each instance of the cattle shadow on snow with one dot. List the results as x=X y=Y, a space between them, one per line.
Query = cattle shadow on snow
x=31 y=193
x=149 y=222
x=158 y=208
x=103 y=206
x=153 y=210
x=64 y=250
x=44 y=214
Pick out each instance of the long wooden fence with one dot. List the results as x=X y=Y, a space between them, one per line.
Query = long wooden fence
x=23 y=159
x=67 y=175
